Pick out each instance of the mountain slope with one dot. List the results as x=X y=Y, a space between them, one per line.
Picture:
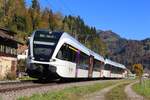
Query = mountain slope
x=126 y=51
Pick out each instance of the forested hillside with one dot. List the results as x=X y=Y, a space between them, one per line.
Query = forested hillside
x=16 y=16
x=126 y=51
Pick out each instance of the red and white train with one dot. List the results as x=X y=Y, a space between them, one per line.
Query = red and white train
x=58 y=55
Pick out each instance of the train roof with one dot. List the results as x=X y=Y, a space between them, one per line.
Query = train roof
x=110 y=62
x=69 y=39
x=98 y=57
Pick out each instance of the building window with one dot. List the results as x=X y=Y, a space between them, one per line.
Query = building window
x=2 y=48
x=8 y=50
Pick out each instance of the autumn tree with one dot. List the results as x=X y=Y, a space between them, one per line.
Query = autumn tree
x=19 y=21
x=1 y=10
x=35 y=14
x=45 y=19
x=138 y=69
x=57 y=21
x=7 y=9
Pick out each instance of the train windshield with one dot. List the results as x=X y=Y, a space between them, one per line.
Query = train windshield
x=44 y=44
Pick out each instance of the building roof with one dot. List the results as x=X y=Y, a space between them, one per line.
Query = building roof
x=8 y=31
x=7 y=34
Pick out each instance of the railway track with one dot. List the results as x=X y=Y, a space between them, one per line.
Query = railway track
x=16 y=88
x=15 y=82
x=21 y=85
x=13 y=86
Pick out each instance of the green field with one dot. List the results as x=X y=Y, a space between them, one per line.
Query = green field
x=143 y=89
x=72 y=93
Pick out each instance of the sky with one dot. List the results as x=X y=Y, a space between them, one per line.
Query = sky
x=128 y=18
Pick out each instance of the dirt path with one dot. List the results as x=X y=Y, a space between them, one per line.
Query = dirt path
x=100 y=95
x=131 y=94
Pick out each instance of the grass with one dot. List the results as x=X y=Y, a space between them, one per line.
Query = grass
x=0 y=98
x=26 y=78
x=72 y=93
x=117 y=93
x=143 y=89
x=23 y=78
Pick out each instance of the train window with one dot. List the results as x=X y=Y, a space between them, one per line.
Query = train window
x=116 y=70
x=97 y=65
x=72 y=52
x=113 y=69
x=107 y=67
x=59 y=55
x=47 y=36
x=62 y=53
x=83 y=61
x=120 y=71
x=67 y=52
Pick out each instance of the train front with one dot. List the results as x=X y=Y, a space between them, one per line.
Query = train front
x=42 y=44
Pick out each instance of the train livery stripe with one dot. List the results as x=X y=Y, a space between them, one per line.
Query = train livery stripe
x=73 y=49
x=44 y=43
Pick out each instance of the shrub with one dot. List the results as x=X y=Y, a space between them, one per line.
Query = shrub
x=11 y=76
x=21 y=66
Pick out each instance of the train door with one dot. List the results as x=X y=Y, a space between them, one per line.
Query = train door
x=101 y=68
x=77 y=63
x=91 y=60
x=66 y=56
